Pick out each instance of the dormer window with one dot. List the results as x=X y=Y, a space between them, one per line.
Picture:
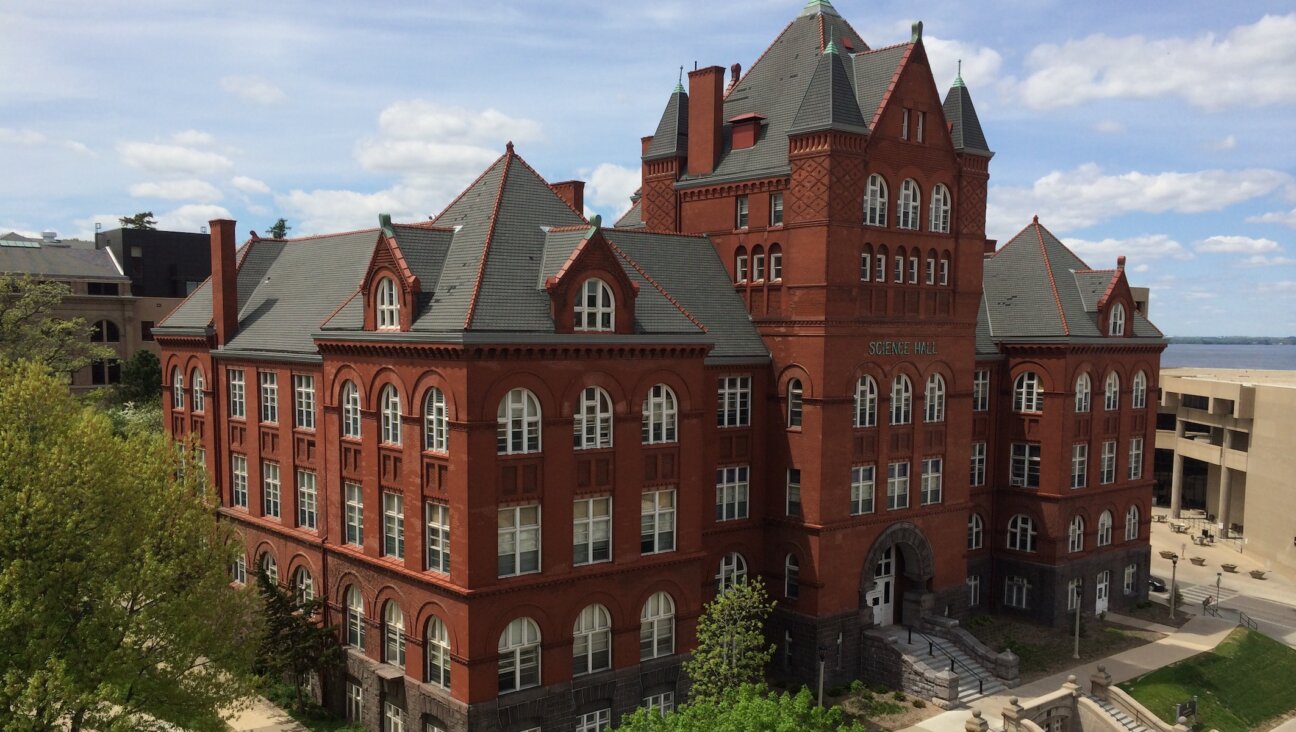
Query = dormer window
x=595 y=309
x=388 y=306
x=1116 y=321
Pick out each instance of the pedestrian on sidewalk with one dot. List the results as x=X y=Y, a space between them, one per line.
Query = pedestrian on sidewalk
x=1206 y=603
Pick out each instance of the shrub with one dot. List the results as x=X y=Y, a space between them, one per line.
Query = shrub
x=919 y=703
x=898 y=695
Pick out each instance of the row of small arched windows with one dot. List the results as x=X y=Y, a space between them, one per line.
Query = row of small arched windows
x=907 y=265
x=1028 y=392
x=866 y=401
x=1022 y=533
x=908 y=205
x=753 y=266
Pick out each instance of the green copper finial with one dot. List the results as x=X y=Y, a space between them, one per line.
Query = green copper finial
x=818 y=6
x=831 y=46
x=958 y=80
x=916 y=32
x=596 y=222
x=679 y=85
x=384 y=223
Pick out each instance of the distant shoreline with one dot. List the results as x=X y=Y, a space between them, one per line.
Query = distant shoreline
x=1233 y=340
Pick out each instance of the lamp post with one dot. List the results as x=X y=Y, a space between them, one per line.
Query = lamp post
x=823 y=656
x=1079 y=599
x=1174 y=588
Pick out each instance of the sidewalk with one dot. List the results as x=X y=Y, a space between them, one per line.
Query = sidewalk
x=263 y=716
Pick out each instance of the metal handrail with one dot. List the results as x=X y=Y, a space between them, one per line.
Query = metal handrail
x=932 y=647
x=1244 y=619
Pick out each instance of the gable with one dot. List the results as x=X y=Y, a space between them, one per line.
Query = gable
x=912 y=88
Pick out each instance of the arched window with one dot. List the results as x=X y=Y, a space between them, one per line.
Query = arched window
x=177 y=388
x=1132 y=523
x=105 y=331
x=740 y=264
x=791 y=577
x=976 y=531
x=1021 y=533
x=1138 y=399
x=1075 y=535
x=436 y=653
x=880 y=265
x=1111 y=392
x=393 y=634
x=775 y=263
x=355 y=615
x=866 y=397
x=945 y=269
x=733 y=569
x=519 y=656
x=592 y=640
x=1083 y=393
x=931 y=266
x=657 y=627
x=197 y=383
x=593 y=420
x=939 y=218
x=388 y=306
x=901 y=400
x=794 y=403
x=270 y=567
x=1028 y=393
x=934 y=399
x=898 y=266
x=303 y=585
x=389 y=404
x=875 y=201
x=518 y=423
x=595 y=308
x=1105 y=528
x=866 y=263
x=436 y=423
x=907 y=206
x=758 y=264
x=350 y=410
x=660 y=415
x=1116 y=321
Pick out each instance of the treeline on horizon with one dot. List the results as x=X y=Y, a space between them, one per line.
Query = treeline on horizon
x=1234 y=340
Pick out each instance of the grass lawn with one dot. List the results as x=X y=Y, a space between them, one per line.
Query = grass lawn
x=1044 y=651
x=1246 y=681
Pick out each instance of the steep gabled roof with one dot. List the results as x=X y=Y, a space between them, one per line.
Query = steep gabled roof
x=965 y=127
x=829 y=102
x=671 y=138
x=632 y=219
x=876 y=74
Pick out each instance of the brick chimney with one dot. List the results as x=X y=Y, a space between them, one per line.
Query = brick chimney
x=573 y=192
x=224 y=280
x=706 y=112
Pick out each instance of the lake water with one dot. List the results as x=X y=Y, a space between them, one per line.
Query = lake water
x=1229 y=357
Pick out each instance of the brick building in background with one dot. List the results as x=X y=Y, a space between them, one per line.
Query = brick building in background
x=517 y=451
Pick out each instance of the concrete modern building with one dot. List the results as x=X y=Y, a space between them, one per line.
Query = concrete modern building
x=1225 y=447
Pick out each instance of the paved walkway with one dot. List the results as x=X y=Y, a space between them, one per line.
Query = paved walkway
x=263 y=716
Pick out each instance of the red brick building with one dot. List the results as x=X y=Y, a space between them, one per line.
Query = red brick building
x=517 y=451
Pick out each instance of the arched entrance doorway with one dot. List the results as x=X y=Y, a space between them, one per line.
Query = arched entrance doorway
x=896 y=576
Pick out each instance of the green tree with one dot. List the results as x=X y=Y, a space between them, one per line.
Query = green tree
x=141 y=382
x=141 y=220
x=115 y=601
x=280 y=229
x=748 y=709
x=295 y=645
x=731 y=649
x=30 y=331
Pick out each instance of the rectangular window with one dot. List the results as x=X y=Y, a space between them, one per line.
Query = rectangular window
x=897 y=486
x=974 y=590
x=519 y=540
x=931 y=481
x=866 y=267
x=931 y=271
x=981 y=390
x=733 y=401
x=978 y=476
x=776 y=209
x=354 y=701
x=1025 y=465
x=741 y=222
x=904 y=125
x=393 y=525
x=913 y=270
x=1016 y=591
x=794 y=492
x=1079 y=465
x=1136 y=458
x=591 y=530
x=1108 y=462
x=269 y=396
x=862 y=484
x=237 y=394
x=306 y=500
x=354 y=514
x=922 y=117
x=597 y=721
x=944 y=272
x=657 y=521
x=1131 y=579
x=898 y=269
x=660 y=703
x=731 y=493
x=304 y=400
x=879 y=271
x=758 y=266
x=239 y=481
x=437 y=518
x=393 y=718
x=270 y=489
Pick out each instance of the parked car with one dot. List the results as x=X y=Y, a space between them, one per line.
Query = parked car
x=1156 y=584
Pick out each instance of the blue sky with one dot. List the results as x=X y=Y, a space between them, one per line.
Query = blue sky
x=1129 y=129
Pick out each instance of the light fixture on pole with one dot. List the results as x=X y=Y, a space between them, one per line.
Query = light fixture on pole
x=1218 y=575
x=1079 y=602
x=1174 y=587
x=823 y=656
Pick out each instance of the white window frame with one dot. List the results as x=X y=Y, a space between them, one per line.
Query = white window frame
x=944 y=271
x=934 y=399
x=354 y=701
x=1116 y=321
x=592 y=640
x=353 y=513
x=592 y=422
x=1025 y=465
x=932 y=481
x=1108 y=465
x=519 y=656
x=1135 y=458
x=662 y=703
x=981 y=390
x=436 y=522
x=733 y=401
x=776 y=209
x=1016 y=592
x=1083 y=393
x=793 y=502
x=269 y=396
x=595 y=308
x=977 y=477
x=1131 y=579
x=741 y=212
x=1132 y=523
x=387 y=305
x=197 y=383
x=239 y=570
x=304 y=401
x=775 y=263
x=351 y=410
x=866 y=402
x=436 y=653
x=519 y=535
x=875 y=201
x=974 y=590
x=1111 y=392
x=389 y=407
x=303 y=585
x=795 y=393
x=909 y=205
x=898 y=485
x=733 y=493
x=913 y=267
x=733 y=569
x=393 y=718
x=657 y=626
x=657 y=521
x=270 y=567
x=1079 y=464
x=901 y=400
x=1022 y=533
x=866 y=264
x=239 y=481
x=393 y=544
x=591 y=530
x=518 y=423
x=791 y=578
x=237 y=394
x=938 y=220
x=1028 y=393
x=598 y=720
x=1105 y=528
x=1138 y=397
x=270 y=489
x=436 y=421
x=1075 y=535
x=879 y=271
x=177 y=388
x=307 y=497
x=976 y=531
x=660 y=416
x=758 y=264
x=863 y=489
x=740 y=266
x=355 y=618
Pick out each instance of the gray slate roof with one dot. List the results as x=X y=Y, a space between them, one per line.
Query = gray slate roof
x=31 y=256
x=671 y=138
x=965 y=127
x=632 y=219
x=829 y=102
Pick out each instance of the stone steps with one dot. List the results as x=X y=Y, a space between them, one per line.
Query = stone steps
x=1124 y=719
x=967 y=668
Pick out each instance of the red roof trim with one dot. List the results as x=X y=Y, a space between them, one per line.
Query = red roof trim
x=1111 y=287
x=670 y=298
x=571 y=259
x=1048 y=267
x=490 y=234
x=895 y=79
x=541 y=178
x=747 y=117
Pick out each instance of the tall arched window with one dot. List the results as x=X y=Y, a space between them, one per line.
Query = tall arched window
x=197 y=383
x=733 y=569
x=740 y=264
x=934 y=399
x=518 y=423
x=393 y=634
x=901 y=400
x=908 y=205
x=898 y=266
x=1132 y=523
x=436 y=422
x=1083 y=393
x=519 y=655
x=1105 y=528
x=1116 y=321
x=794 y=403
x=593 y=420
x=939 y=218
x=388 y=306
x=389 y=404
x=875 y=201
x=303 y=585
x=775 y=263
x=791 y=577
x=1075 y=535
x=866 y=397
x=1021 y=533
x=177 y=388
x=866 y=263
x=355 y=615
x=1111 y=392
x=1028 y=393
x=270 y=567
x=595 y=308
x=105 y=331
x=758 y=263
x=592 y=640
x=436 y=653
x=350 y=410
x=660 y=415
x=976 y=531
x=1138 y=399
x=657 y=627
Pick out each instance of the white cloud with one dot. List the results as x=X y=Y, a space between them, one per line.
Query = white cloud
x=318 y=211
x=1109 y=127
x=1102 y=254
x=1141 y=268
x=1275 y=217
x=186 y=189
x=1260 y=260
x=423 y=156
x=1237 y=245
x=249 y=185
x=1228 y=143
x=420 y=137
x=1251 y=65
x=78 y=147
x=192 y=137
x=191 y=217
x=11 y=136
x=1281 y=287
x=160 y=158
x=253 y=89
x=980 y=64
x=608 y=188
x=1199 y=295
x=1084 y=196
